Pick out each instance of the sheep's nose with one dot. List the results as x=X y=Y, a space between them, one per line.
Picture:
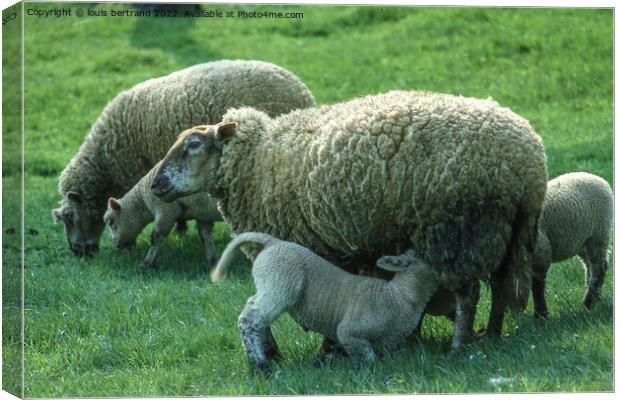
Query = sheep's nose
x=82 y=250
x=159 y=182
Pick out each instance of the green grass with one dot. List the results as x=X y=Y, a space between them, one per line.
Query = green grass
x=103 y=327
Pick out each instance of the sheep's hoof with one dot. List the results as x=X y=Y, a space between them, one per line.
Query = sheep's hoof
x=590 y=300
x=261 y=368
x=274 y=354
x=541 y=314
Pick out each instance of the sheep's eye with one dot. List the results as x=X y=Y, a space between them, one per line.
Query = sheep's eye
x=193 y=145
x=68 y=218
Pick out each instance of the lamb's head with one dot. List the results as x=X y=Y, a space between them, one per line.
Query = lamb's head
x=83 y=224
x=191 y=164
x=124 y=228
x=401 y=263
x=414 y=275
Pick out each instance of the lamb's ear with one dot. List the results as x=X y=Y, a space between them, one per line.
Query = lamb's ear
x=74 y=197
x=57 y=214
x=224 y=131
x=393 y=263
x=114 y=204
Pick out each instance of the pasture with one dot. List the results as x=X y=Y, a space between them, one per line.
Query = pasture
x=102 y=326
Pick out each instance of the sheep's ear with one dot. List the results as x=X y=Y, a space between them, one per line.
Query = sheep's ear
x=74 y=197
x=225 y=131
x=114 y=204
x=57 y=214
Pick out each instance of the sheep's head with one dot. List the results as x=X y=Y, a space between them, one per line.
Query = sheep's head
x=83 y=224
x=192 y=162
x=124 y=229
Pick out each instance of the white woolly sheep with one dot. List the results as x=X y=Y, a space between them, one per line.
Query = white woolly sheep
x=459 y=180
x=137 y=127
x=576 y=220
x=362 y=314
x=127 y=216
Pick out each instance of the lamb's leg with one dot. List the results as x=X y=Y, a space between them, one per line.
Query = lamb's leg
x=417 y=332
x=356 y=346
x=466 y=301
x=181 y=228
x=594 y=257
x=159 y=234
x=252 y=328
x=255 y=326
x=329 y=350
x=204 y=231
x=539 y=281
x=272 y=351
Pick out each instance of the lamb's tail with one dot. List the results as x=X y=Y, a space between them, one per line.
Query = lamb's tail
x=232 y=249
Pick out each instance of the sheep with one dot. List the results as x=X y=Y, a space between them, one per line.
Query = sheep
x=576 y=219
x=137 y=127
x=127 y=216
x=362 y=314
x=461 y=181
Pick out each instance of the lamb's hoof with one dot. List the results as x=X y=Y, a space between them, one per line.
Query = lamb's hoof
x=322 y=360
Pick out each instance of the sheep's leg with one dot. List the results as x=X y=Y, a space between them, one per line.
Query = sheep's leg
x=594 y=257
x=466 y=302
x=539 y=281
x=205 y=232
x=357 y=347
x=499 y=288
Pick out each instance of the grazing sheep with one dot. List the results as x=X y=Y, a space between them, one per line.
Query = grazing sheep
x=459 y=180
x=137 y=127
x=362 y=314
x=127 y=217
x=576 y=219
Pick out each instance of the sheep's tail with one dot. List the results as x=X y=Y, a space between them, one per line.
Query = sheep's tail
x=232 y=249
x=520 y=258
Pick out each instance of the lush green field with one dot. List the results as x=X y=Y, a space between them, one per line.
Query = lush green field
x=102 y=327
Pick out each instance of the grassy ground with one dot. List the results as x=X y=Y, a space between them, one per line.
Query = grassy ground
x=102 y=327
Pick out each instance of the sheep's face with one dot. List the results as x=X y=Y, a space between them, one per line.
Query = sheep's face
x=123 y=228
x=83 y=224
x=192 y=163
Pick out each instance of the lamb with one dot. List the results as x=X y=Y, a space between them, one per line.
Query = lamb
x=363 y=314
x=576 y=219
x=461 y=181
x=137 y=127
x=127 y=217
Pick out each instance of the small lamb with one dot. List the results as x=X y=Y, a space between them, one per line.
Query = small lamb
x=127 y=216
x=362 y=314
x=576 y=219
